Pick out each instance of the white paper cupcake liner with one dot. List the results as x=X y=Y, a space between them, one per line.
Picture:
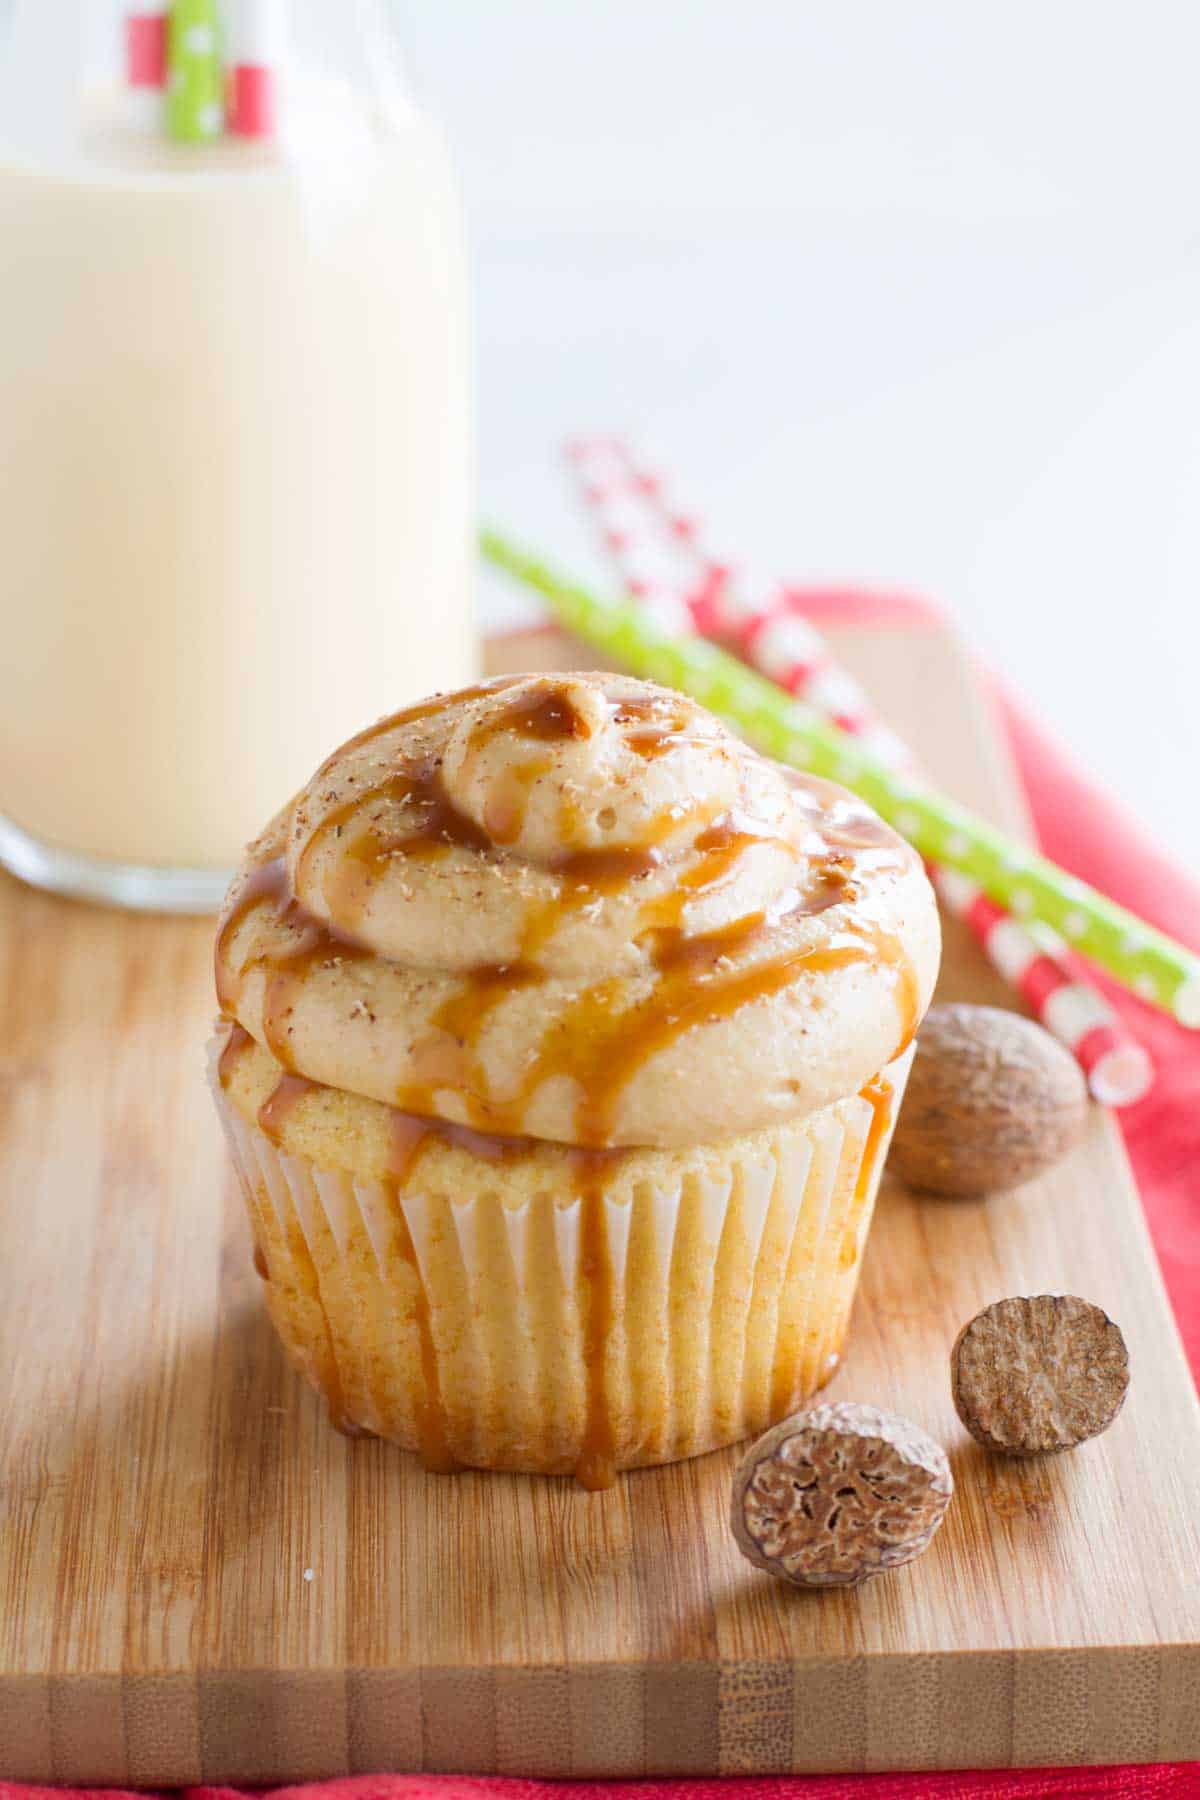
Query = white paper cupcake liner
x=471 y=1329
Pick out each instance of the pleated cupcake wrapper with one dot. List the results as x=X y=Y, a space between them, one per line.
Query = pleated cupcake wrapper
x=466 y=1330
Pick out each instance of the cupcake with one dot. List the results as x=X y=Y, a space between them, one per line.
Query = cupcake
x=562 y=1037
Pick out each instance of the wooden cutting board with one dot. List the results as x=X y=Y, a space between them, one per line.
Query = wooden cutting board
x=200 y=1581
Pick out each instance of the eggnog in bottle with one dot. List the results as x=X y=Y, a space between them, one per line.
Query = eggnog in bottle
x=235 y=489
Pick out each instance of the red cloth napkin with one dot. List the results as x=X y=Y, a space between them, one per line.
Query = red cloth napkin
x=1080 y=828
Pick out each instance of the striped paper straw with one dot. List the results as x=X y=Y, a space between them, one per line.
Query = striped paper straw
x=768 y=633
x=1030 y=958
x=257 y=45
x=146 y=47
x=195 y=111
x=1145 y=960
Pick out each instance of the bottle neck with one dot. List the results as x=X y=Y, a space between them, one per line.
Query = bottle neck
x=299 y=77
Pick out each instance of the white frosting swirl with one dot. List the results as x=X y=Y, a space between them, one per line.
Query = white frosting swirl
x=576 y=907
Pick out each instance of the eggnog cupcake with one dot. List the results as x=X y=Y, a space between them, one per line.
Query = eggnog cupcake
x=562 y=1040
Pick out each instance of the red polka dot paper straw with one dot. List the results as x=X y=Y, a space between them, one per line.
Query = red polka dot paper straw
x=659 y=554
x=1031 y=958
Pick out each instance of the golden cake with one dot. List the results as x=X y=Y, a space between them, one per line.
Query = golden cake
x=562 y=1039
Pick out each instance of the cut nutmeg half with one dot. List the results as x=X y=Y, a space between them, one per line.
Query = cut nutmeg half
x=1041 y=1374
x=832 y=1496
x=992 y=1100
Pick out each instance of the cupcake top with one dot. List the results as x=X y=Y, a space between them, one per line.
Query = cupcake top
x=575 y=907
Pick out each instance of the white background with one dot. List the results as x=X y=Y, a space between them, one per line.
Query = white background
x=900 y=293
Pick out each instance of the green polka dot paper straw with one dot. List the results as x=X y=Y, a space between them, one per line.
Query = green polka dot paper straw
x=195 y=110
x=1144 y=960
x=667 y=568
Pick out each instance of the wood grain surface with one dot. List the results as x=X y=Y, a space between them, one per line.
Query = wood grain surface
x=199 y=1580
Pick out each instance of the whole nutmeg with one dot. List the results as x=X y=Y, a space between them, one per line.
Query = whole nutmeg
x=1038 y=1373
x=991 y=1101
x=839 y=1493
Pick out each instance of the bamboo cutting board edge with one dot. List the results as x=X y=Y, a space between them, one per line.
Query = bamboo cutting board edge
x=151 y=1633
x=957 y=1709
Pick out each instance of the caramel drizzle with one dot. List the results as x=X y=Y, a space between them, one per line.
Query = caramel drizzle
x=410 y=715
x=409 y=1136
x=433 y=1430
x=878 y=1095
x=546 y=716
x=908 y=987
x=313 y=942
x=237 y=1041
x=282 y=1100
x=272 y=1116
x=596 y=1465
x=606 y=1060
x=433 y=1437
x=659 y=726
x=599 y=1045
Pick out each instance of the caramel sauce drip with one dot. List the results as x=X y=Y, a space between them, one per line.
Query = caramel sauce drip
x=443 y=823
x=547 y=716
x=433 y=1432
x=347 y=1427
x=689 y=993
x=313 y=942
x=409 y=1135
x=282 y=1100
x=449 y=1061
x=908 y=988
x=411 y=1132
x=601 y=1046
x=878 y=1095
x=587 y=875
x=266 y=881
x=439 y=827
x=411 y=715
x=237 y=1041
x=261 y=1266
x=272 y=1116
x=657 y=725
x=596 y=1467
x=584 y=875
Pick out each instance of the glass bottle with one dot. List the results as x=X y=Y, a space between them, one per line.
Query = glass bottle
x=235 y=442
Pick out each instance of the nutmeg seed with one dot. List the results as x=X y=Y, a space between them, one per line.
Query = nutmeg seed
x=834 y=1495
x=1037 y=1374
x=992 y=1100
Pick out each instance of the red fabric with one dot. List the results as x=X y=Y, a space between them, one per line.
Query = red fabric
x=1125 y=1781
x=1081 y=829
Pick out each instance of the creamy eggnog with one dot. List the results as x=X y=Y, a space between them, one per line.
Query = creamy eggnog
x=235 y=488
